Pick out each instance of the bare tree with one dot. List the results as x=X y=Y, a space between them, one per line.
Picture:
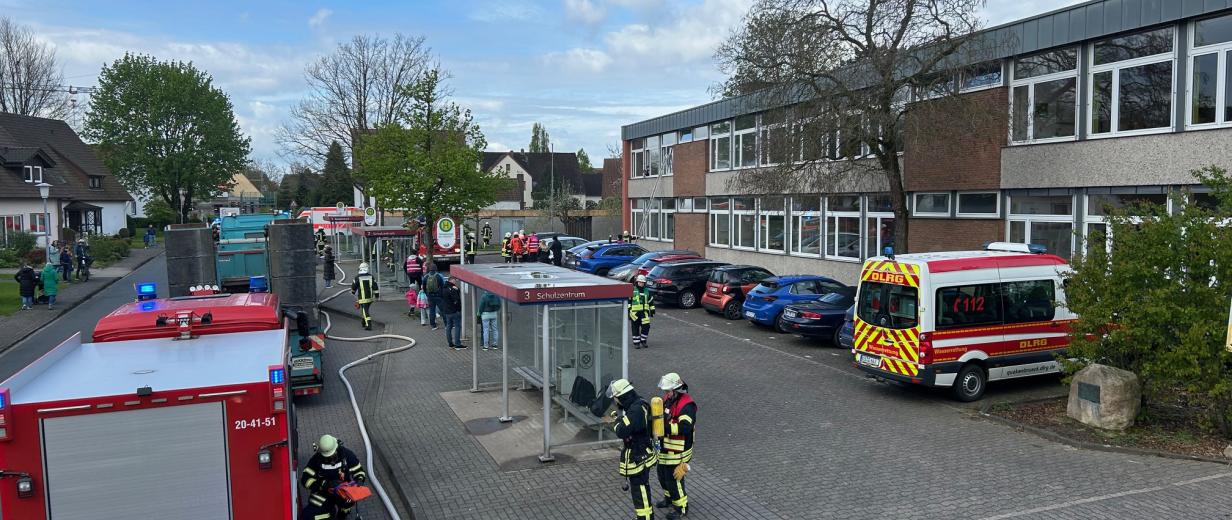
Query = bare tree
x=30 y=79
x=851 y=77
x=355 y=89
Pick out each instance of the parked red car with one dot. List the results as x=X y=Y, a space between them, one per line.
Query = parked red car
x=727 y=287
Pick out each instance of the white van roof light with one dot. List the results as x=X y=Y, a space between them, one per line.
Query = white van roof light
x=1015 y=247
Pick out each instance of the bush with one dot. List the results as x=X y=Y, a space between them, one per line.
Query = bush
x=36 y=257
x=1157 y=304
x=21 y=243
x=109 y=249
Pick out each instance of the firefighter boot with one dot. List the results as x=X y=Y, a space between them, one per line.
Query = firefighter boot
x=663 y=504
x=675 y=514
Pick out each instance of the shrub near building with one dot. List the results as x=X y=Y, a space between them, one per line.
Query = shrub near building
x=1152 y=294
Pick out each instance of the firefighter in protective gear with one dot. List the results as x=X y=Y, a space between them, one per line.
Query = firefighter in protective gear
x=676 y=447
x=471 y=246
x=365 y=290
x=641 y=309
x=487 y=235
x=330 y=466
x=637 y=457
x=507 y=247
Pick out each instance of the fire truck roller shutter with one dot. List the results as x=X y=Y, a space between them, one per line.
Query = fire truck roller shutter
x=190 y=259
x=168 y=462
x=293 y=266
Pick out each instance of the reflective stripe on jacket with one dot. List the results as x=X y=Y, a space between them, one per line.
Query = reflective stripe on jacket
x=680 y=417
x=641 y=304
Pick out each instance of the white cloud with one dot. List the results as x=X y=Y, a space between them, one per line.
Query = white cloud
x=996 y=13
x=584 y=11
x=579 y=60
x=318 y=19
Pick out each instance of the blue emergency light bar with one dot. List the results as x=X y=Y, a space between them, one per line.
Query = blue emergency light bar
x=277 y=376
x=146 y=291
x=258 y=284
x=2 y=401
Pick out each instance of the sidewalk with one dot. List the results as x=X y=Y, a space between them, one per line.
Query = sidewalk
x=15 y=327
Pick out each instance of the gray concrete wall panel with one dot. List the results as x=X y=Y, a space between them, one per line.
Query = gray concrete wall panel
x=1161 y=159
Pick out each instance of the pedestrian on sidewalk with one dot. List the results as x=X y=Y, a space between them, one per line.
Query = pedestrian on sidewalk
x=487 y=313
x=50 y=284
x=556 y=251
x=66 y=263
x=412 y=300
x=451 y=310
x=329 y=266
x=421 y=306
x=27 y=280
x=414 y=270
x=433 y=284
x=150 y=236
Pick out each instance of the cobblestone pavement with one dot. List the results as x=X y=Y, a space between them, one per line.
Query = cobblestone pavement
x=786 y=430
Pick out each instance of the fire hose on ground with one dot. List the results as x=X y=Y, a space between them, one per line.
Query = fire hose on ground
x=359 y=418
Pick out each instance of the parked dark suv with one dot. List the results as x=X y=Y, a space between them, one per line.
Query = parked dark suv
x=681 y=282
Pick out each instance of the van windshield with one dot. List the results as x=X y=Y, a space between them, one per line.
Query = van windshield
x=888 y=306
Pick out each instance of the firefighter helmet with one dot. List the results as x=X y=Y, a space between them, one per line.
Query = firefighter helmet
x=670 y=381
x=327 y=445
x=641 y=278
x=508 y=234
x=363 y=268
x=619 y=387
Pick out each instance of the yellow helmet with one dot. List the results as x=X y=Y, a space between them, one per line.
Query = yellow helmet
x=328 y=445
x=619 y=387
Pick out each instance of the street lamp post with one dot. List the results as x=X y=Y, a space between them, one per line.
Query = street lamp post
x=44 y=192
x=183 y=192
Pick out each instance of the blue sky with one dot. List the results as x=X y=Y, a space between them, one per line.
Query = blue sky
x=580 y=67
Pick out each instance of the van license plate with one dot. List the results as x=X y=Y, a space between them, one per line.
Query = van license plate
x=301 y=363
x=869 y=361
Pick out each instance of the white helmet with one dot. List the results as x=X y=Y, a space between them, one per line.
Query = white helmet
x=508 y=234
x=670 y=381
x=618 y=388
x=641 y=278
x=363 y=268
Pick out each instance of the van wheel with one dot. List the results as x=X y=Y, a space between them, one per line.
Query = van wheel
x=970 y=383
x=731 y=311
x=687 y=299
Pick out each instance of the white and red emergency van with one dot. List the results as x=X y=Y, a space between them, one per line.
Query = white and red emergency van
x=189 y=426
x=961 y=319
x=331 y=220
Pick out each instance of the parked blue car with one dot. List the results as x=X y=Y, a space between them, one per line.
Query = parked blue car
x=766 y=302
x=599 y=260
x=847 y=334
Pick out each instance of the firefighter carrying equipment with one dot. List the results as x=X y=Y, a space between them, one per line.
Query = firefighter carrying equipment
x=637 y=455
x=680 y=417
x=323 y=474
x=327 y=445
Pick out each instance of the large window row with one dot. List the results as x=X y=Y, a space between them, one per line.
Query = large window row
x=654 y=219
x=834 y=227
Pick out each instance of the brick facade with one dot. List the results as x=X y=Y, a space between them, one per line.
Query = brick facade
x=931 y=234
x=611 y=178
x=691 y=231
x=689 y=169
x=966 y=158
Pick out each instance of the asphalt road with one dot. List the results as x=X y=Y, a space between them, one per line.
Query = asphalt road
x=82 y=318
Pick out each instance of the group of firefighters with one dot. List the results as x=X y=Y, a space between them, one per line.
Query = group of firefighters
x=519 y=247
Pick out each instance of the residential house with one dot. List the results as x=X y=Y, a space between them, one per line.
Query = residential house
x=83 y=195
x=242 y=194
x=537 y=171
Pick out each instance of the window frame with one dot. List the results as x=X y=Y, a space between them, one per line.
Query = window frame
x=963 y=75
x=958 y=205
x=713 y=228
x=28 y=174
x=1027 y=219
x=915 y=204
x=1115 y=69
x=1031 y=83
x=713 y=145
x=665 y=214
x=832 y=229
x=738 y=137
x=1223 y=53
x=763 y=226
x=39 y=223
x=735 y=223
x=795 y=230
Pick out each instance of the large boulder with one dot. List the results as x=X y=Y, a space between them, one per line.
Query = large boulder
x=1105 y=397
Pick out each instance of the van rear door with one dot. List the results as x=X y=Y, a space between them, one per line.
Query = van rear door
x=887 y=324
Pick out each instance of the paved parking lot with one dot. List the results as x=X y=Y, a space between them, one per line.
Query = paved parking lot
x=786 y=429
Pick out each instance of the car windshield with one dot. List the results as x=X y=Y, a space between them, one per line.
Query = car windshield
x=887 y=306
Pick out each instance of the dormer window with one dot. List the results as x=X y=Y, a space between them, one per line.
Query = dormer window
x=96 y=182
x=33 y=174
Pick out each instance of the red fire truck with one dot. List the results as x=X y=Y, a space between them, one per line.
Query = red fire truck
x=179 y=409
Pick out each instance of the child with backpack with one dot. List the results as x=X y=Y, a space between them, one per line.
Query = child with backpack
x=412 y=299
x=421 y=305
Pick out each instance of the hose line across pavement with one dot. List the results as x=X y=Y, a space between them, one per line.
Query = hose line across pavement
x=359 y=418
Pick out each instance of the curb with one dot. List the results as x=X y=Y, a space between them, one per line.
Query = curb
x=1087 y=445
x=79 y=301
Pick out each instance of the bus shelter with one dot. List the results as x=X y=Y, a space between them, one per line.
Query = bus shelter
x=342 y=236
x=563 y=332
x=385 y=249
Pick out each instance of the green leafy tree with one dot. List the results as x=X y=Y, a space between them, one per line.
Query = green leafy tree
x=539 y=142
x=561 y=205
x=160 y=213
x=584 y=162
x=286 y=192
x=162 y=127
x=427 y=161
x=1156 y=302
x=336 y=182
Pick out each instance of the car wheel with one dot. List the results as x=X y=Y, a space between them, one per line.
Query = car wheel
x=835 y=338
x=731 y=311
x=779 y=326
x=687 y=299
x=970 y=383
